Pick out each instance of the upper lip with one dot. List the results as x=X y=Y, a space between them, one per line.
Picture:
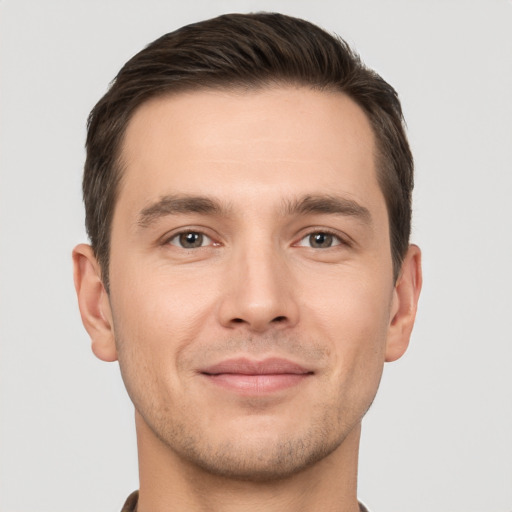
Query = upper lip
x=245 y=366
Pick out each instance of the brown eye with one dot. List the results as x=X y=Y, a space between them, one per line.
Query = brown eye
x=321 y=240
x=190 y=240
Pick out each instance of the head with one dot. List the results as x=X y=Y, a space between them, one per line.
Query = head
x=240 y=51
x=247 y=192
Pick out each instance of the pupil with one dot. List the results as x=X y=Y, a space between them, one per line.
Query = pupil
x=321 y=240
x=191 y=240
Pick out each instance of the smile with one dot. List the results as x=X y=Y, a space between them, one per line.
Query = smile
x=250 y=377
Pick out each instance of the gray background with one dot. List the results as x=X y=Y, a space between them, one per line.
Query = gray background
x=439 y=436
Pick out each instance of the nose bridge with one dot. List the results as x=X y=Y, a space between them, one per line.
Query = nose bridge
x=260 y=294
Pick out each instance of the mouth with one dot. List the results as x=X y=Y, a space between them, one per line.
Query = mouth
x=251 y=377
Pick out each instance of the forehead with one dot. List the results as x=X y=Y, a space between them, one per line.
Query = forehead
x=276 y=141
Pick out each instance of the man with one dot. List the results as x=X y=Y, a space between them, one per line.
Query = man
x=248 y=198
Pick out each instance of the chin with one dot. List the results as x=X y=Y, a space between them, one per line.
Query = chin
x=263 y=459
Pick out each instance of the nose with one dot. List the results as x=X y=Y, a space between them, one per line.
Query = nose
x=259 y=292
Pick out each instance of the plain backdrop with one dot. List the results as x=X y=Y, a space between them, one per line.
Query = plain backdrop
x=439 y=436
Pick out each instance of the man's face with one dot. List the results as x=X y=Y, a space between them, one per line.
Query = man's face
x=251 y=278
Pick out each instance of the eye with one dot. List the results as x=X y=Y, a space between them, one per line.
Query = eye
x=190 y=240
x=320 y=240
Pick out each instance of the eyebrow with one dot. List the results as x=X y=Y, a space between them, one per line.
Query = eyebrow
x=309 y=204
x=176 y=204
x=328 y=204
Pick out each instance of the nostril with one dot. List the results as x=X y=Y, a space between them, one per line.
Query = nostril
x=278 y=320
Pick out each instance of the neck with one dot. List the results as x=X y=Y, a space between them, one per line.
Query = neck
x=167 y=482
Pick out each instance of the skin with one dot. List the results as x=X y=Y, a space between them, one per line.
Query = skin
x=294 y=263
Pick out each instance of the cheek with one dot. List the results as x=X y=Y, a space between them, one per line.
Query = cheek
x=156 y=317
x=157 y=304
x=352 y=315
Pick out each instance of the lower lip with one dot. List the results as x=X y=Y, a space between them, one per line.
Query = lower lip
x=256 y=384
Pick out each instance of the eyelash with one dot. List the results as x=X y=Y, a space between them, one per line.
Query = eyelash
x=177 y=236
x=336 y=238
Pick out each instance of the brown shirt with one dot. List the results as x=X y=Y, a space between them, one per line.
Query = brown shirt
x=131 y=503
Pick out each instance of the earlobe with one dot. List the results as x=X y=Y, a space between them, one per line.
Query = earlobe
x=405 y=302
x=93 y=302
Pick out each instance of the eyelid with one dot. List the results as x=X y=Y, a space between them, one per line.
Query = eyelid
x=175 y=234
x=206 y=240
x=340 y=238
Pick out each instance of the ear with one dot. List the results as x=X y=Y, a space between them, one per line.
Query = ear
x=93 y=302
x=404 y=304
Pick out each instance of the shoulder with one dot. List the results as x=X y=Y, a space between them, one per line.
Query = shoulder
x=130 y=505
x=363 y=508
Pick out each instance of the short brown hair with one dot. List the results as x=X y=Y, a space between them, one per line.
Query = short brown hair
x=248 y=51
